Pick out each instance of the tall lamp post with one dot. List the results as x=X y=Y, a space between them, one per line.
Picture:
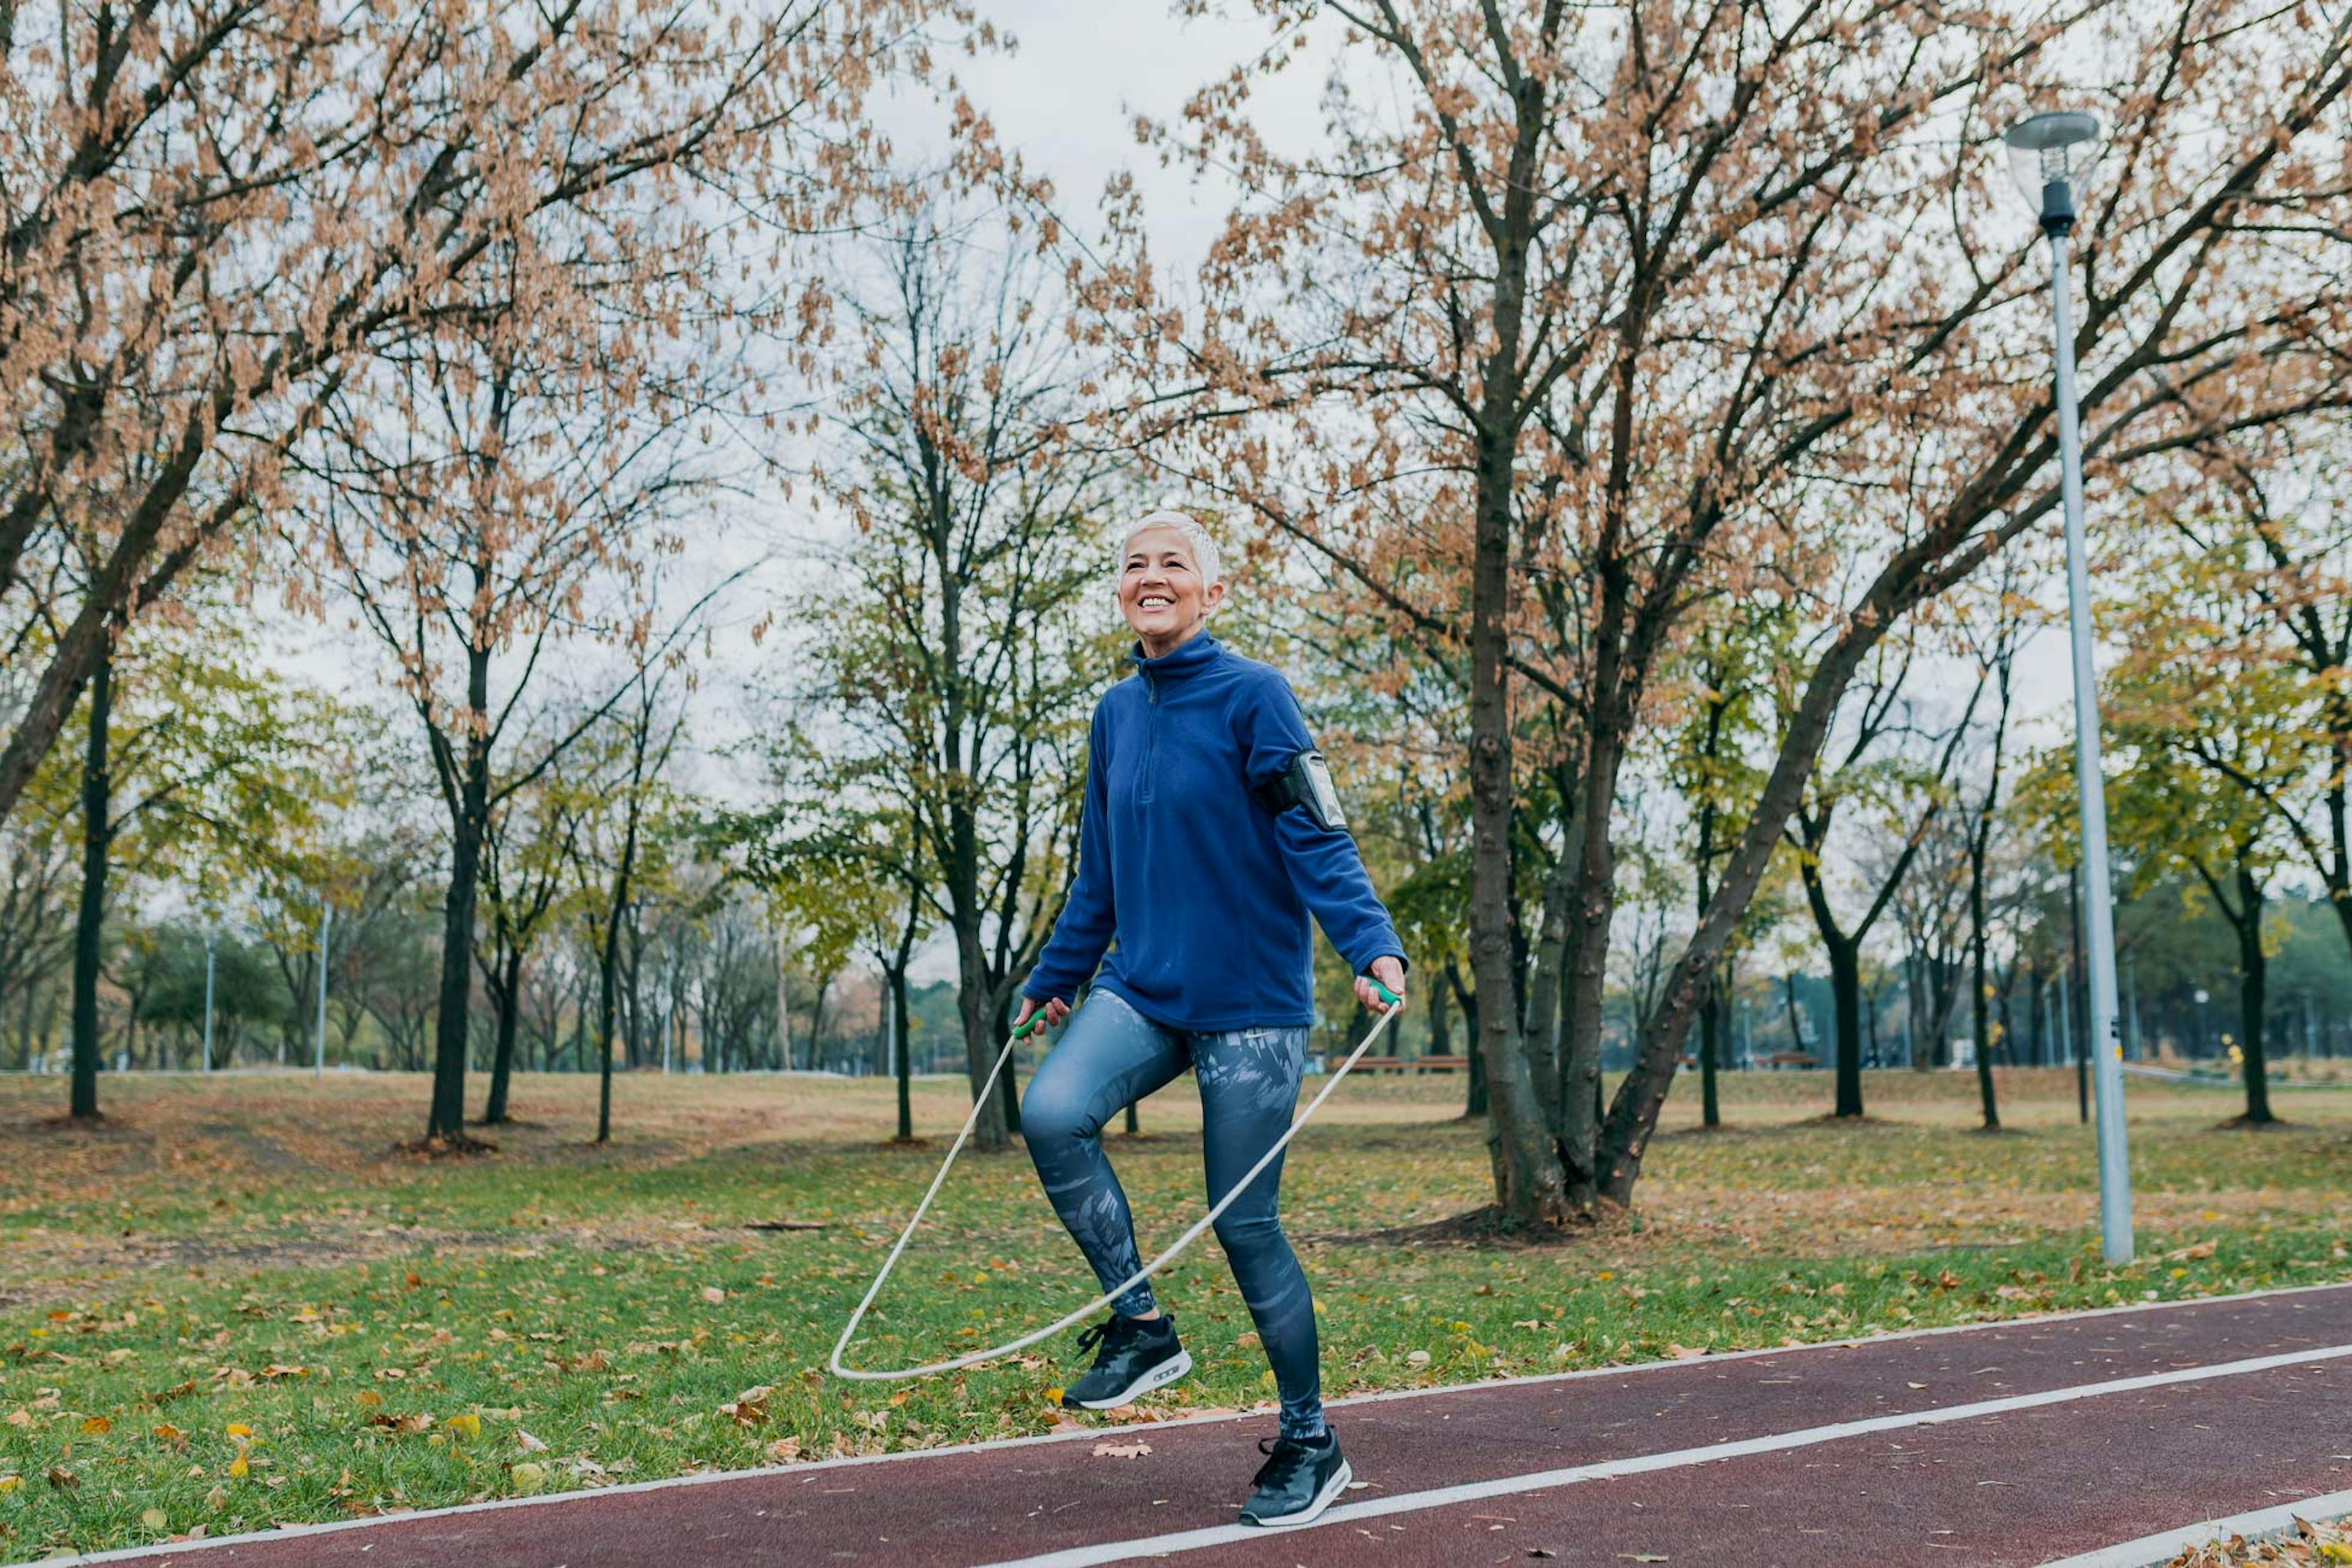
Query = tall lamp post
x=2051 y=156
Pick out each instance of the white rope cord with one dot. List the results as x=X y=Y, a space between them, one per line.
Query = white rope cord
x=1108 y=1297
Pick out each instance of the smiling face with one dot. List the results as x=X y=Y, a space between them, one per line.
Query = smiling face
x=1161 y=590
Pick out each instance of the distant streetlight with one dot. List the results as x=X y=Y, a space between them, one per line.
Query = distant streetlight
x=2051 y=156
x=2204 y=1031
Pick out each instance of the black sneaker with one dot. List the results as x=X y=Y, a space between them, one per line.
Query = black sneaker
x=1132 y=1356
x=1297 y=1482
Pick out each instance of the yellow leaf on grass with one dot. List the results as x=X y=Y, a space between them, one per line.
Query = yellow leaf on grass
x=10 y=1483
x=238 y=1429
x=468 y=1425
x=97 y=1425
x=168 y=1433
x=527 y=1474
x=238 y=1470
x=155 y=1518
x=367 y=1396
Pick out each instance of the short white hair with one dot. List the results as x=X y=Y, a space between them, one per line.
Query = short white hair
x=1205 y=557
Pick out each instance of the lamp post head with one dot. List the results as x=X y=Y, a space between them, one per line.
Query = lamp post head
x=2049 y=156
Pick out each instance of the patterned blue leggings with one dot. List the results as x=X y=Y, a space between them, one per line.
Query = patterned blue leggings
x=1111 y=1056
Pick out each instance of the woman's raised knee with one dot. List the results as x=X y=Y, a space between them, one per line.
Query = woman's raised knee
x=1051 y=1118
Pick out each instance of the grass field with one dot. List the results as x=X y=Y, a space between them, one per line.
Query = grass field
x=235 y=1303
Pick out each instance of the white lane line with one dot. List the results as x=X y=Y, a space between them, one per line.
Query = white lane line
x=2151 y=1551
x=1609 y=1469
x=809 y=1468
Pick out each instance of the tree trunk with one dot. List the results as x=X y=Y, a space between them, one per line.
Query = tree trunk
x=607 y=976
x=2253 y=988
x=1845 y=999
x=1710 y=1023
x=1541 y=1029
x=470 y=796
x=974 y=1007
x=97 y=788
x=1983 y=998
x=1845 y=986
x=506 y=996
x=903 y=1069
x=1587 y=979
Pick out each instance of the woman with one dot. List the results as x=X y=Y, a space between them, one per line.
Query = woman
x=1210 y=833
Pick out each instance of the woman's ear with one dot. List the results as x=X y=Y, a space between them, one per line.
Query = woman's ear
x=1211 y=597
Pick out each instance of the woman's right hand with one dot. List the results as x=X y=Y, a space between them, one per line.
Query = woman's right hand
x=1053 y=1007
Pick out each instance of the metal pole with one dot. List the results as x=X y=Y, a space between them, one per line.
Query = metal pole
x=209 y=939
x=2090 y=792
x=318 y=1050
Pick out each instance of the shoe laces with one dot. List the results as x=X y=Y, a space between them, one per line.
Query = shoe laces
x=1283 y=1455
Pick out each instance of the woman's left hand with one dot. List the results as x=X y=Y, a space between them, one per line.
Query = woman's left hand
x=1390 y=972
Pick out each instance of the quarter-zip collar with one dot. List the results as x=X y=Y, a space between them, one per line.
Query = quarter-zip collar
x=1187 y=658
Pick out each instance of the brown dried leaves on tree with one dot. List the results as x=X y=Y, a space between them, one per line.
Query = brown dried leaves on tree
x=1581 y=320
x=213 y=218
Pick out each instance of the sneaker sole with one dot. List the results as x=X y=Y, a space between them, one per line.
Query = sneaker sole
x=1160 y=1376
x=1313 y=1511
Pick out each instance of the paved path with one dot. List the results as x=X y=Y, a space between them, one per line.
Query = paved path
x=2008 y=1444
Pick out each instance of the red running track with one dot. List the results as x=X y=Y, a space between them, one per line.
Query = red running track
x=2008 y=1444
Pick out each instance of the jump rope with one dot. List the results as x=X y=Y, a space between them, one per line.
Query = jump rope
x=1393 y=1005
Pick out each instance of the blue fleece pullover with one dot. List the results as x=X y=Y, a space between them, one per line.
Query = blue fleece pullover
x=1203 y=886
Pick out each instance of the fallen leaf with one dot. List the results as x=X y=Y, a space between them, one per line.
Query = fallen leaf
x=2197 y=1249
x=97 y=1425
x=748 y=1408
x=1134 y=1450
x=1683 y=1352
x=713 y=1294
x=528 y=1443
x=785 y=1450
x=467 y=1425
x=155 y=1518
x=238 y=1429
x=527 y=1474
